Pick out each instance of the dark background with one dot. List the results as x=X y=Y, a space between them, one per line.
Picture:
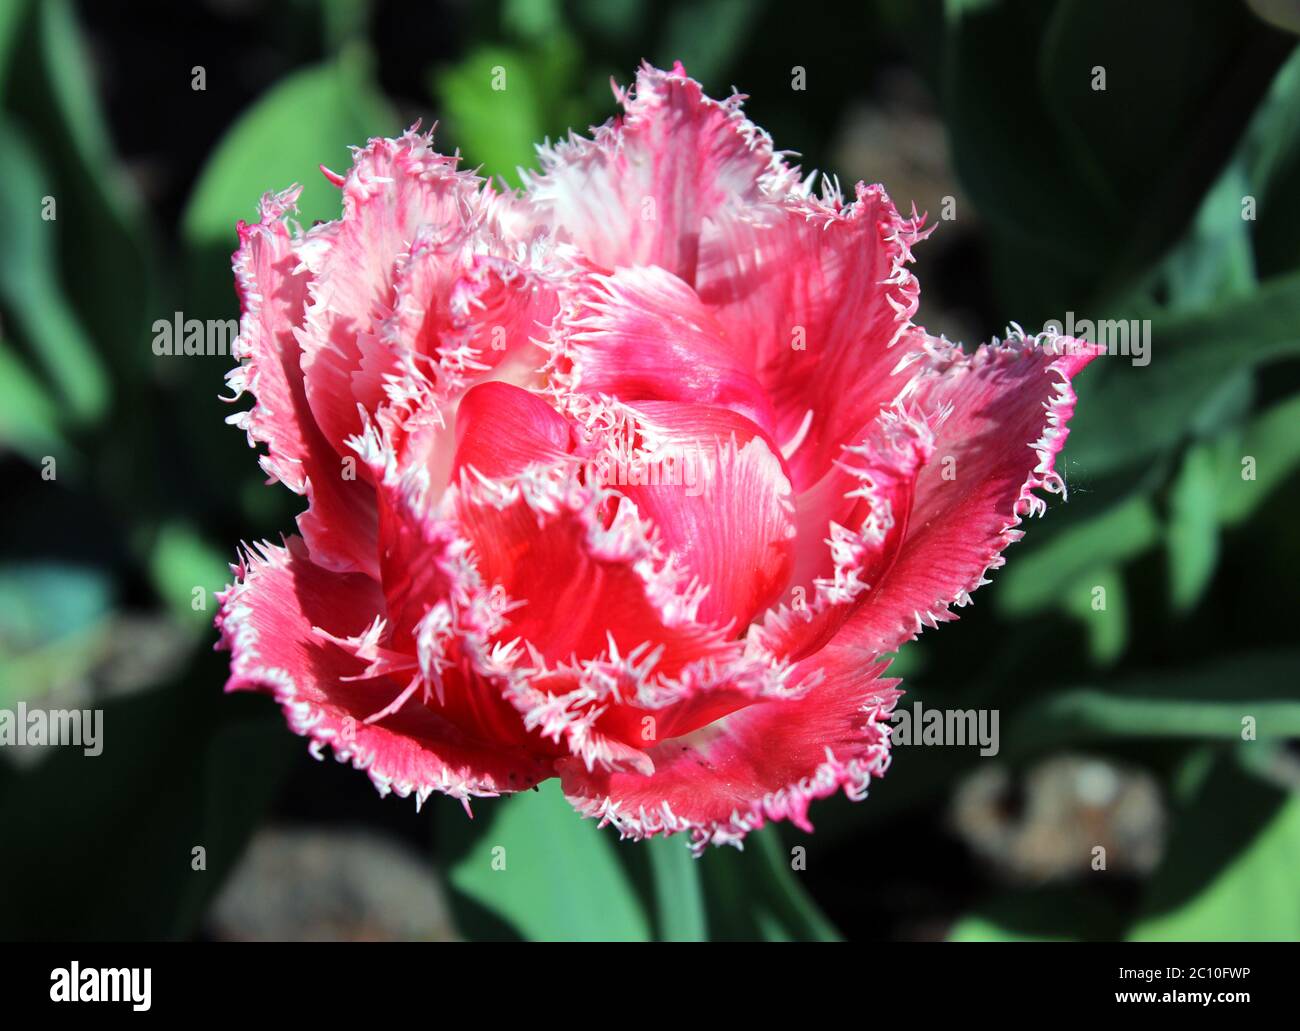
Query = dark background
x=1120 y=728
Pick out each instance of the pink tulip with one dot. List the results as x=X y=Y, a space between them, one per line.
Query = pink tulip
x=630 y=478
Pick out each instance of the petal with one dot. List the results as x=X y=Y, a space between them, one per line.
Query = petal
x=340 y=524
x=502 y=429
x=394 y=188
x=609 y=709
x=641 y=191
x=819 y=295
x=579 y=568
x=471 y=313
x=852 y=524
x=714 y=488
x=641 y=334
x=767 y=761
x=268 y=620
x=1002 y=419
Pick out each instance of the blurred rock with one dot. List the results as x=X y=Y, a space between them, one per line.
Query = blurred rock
x=900 y=141
x=1044 y=825
x=330 y=885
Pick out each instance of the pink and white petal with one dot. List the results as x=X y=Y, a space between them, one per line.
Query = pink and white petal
x=1003 y=415
x=819 y=295
x=608 y=710
x=642 y=189
x=340 y=523
x=715 y=489
x=394 y=188
x=641 y=334
x=269 y=620
x=853 y=520
x=581 y=569
x=498 y=309
x=466 y=314
x=767 y=761
x=503 y=429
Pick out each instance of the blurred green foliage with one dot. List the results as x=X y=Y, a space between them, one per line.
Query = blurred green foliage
x=1125 y=203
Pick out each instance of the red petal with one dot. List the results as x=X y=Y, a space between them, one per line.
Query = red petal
x=501 y=430
x=818 y=294
x=768 y=761
x=642 y=334
x=340 y=524
x=268 y=620
x=1007 y=407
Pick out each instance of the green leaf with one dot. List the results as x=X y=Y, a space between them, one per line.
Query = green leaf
x=1275 y=171
x=28 y=415
x=1209 y=701
x=182 y=562
x=100 y=220
x=1215 y=262
x=1046 y=157
x=1099 y=601
x=1156 y=137
x=1193 y=537
x=1052 y=571
x=493 y=106
x=679 y=897
x=500 y=102
x=1041 y=914
x=308 y=119
x=1230 y=870
x=539 y=871
x=30 y=287
x=755 y=894
x=11 y=19
x=1135 y=412
x=1252 y=464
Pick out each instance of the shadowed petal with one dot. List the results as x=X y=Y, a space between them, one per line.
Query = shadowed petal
x=340 y=524
x=282 y=621
x=768 y=761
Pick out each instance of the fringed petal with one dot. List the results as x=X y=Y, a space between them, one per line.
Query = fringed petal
x=715 y=490
x=580 y=568
x=340 y=523
x=819 y=295
x=852 y=524
x=767 y=761
x=1001 y=418
x=641 y=334
x=641 y=191
x=394 y=189
x=283 y=621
